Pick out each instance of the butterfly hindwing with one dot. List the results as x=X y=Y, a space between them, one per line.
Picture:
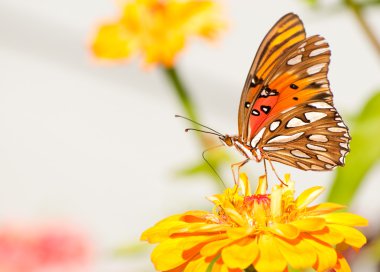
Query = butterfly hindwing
x=310 y=137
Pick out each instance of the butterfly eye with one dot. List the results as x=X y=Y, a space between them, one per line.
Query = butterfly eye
x=247 y=104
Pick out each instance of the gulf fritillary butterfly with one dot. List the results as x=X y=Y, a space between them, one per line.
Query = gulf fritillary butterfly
x=286 y=112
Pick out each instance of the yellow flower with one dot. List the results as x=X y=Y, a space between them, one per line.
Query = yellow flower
x=159 y=29
x=268 y=231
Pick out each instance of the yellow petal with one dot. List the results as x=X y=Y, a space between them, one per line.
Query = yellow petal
x=348 y=219
x=352 y=236
x=276 y=203
x=236 y=217
x=326 y=255
x=197 y=265
x=242 y=254
x=324 y=208
x=270 y=258
x=237 y=233
x=113 y=42
x=328 y=235
x=244 y=184
x=308 y=196
x=168 y=255
x=262 y=186
x=342 y=265
x=191 y=249
x=194 y=216
x=284 y=230
x=309 y=224
x=160 y=231
x=200 y=228
x=298 y=253
x=213 y=248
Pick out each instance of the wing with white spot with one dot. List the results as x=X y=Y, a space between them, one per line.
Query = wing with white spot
x=287 y=32
x=301 y=76
x=310 y=137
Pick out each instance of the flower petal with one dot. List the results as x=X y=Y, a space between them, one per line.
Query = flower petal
x=342 y=265
x=113 y=42
x=328 y=235
x=168 y=254
x=352 y=237
x=323 y=208
x=245 y=186
x=308 y=196
x=326 y=255
x=348 y=219
x=237 y=233
x=262 y=186
x=236 y=217
x=309 y=224
x=284 y=230
x=160 y=231
x=197 y=265
x=270 y=258
x=241 y=254
x=298 y=253
x=213 y=248
x=197 y=229
x=194 y=216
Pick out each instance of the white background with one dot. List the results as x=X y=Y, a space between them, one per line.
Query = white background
x=98 y=145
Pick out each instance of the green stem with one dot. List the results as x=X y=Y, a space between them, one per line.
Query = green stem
x=181 y=92
x=183 y=96
x=358 y=12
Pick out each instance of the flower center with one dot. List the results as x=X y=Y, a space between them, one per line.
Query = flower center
x=257 y=208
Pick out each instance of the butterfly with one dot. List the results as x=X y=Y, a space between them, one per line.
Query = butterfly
x=286 y=111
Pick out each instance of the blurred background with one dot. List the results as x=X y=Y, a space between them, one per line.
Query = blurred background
x=96 y=146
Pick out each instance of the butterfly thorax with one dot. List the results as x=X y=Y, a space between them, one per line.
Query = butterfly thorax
x=246 y=150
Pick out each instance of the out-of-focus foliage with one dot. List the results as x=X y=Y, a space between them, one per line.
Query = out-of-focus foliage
x=130 y=249
x=365 y=152
x=375 y=248
x=360 y=3
x=215 y=158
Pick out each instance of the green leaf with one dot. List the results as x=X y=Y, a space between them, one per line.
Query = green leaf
x=365 y=153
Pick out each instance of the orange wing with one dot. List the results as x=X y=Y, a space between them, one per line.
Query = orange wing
x=287 y=32
x=300 y=126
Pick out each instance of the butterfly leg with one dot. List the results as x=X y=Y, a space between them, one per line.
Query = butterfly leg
x=238 y=165
x=274 y=170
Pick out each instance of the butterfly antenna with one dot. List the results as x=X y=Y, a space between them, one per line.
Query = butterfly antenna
x=203 y=131
x=188 y=119
x=209 y=164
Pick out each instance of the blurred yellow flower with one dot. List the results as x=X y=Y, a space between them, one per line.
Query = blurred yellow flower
x=269 y=231
x=159 y=29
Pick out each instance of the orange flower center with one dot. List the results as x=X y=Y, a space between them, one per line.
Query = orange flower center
x=257 y=199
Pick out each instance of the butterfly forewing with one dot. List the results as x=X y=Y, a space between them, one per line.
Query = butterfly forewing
x=287 y=32
x=286 y=107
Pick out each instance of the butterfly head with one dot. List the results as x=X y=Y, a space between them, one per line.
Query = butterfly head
x=227 y=140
